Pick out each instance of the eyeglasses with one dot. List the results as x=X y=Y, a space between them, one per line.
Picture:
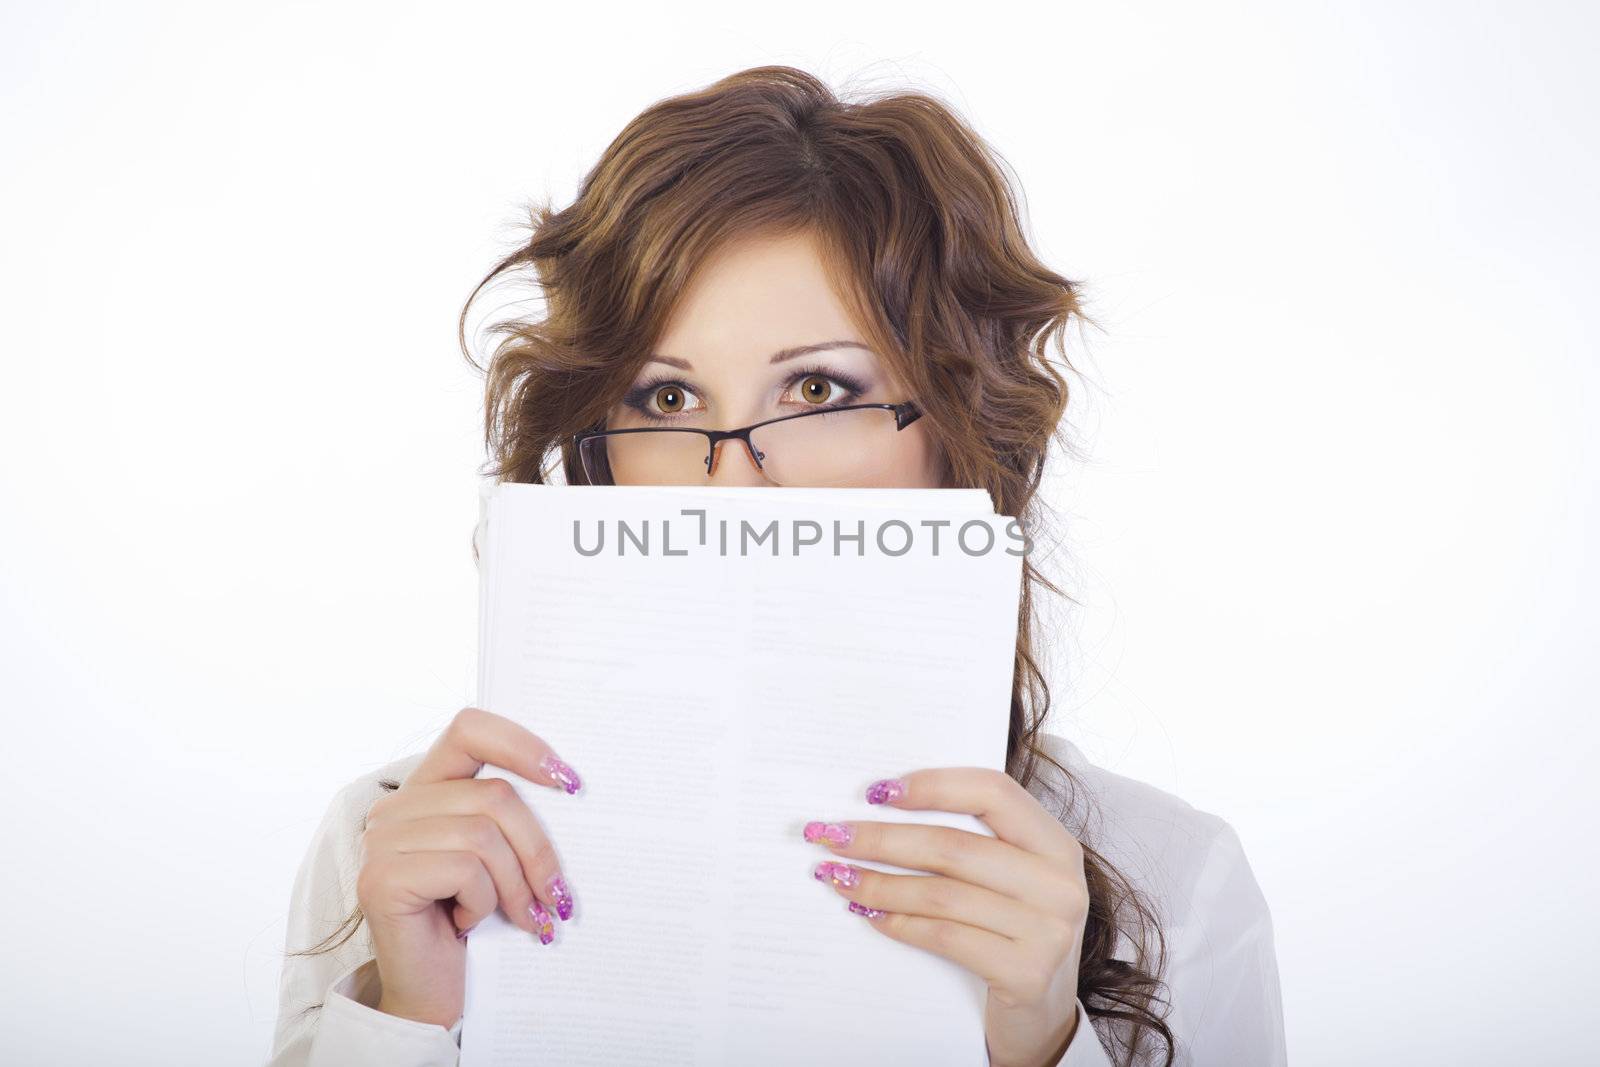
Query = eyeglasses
x=848 y=445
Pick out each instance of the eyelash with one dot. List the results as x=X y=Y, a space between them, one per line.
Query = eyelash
x=638 y=397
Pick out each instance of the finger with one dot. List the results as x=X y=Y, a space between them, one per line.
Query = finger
x=478 y=834
x=498 y=799
x=414 y=880
x=983 y=952
x=998 y=799
x=969 y=857
x=475 y=737
x=932 y=896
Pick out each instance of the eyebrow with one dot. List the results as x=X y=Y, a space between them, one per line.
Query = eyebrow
x=777 y=357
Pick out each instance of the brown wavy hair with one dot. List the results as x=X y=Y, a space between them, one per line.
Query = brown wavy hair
x=921 y=229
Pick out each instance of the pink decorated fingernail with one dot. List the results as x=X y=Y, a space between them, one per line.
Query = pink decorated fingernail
x=558 y=889
x=885 y=790
x=828 y=833
x=840 y=874
x=866 y=912
x=542 y=924
x=564 y=775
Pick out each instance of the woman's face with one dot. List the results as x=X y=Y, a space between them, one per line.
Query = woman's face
x=738 y=350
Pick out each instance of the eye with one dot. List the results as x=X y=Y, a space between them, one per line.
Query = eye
x=661 y=400
x=668 y=399
x=816 y=389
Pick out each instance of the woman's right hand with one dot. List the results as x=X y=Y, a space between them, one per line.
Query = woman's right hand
x=445 y=849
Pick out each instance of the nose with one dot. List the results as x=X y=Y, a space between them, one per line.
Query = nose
x=733 y=464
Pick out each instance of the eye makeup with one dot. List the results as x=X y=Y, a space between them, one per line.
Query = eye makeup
x=638 y=398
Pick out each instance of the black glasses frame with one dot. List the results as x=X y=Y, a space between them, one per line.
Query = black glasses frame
x=905 y=413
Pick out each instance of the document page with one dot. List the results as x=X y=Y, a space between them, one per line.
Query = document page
x=720 y=668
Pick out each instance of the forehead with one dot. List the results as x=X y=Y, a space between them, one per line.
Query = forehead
x=754 y=295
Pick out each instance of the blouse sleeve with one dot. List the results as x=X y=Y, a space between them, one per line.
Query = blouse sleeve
x=1222 y=972
x=1085 y=1049
x=327 y=1002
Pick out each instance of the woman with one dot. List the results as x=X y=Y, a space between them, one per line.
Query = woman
x=750 y=251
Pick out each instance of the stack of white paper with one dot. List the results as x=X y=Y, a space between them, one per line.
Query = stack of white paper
x=726 y=666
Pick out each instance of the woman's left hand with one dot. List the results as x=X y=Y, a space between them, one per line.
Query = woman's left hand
x=1010 y=908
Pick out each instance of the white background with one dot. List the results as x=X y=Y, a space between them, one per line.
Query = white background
x=1331 y=543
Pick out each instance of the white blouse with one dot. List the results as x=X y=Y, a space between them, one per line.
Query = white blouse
x=1221 y=975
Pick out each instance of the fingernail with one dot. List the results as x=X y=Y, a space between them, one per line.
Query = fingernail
x=541 y=921
x=462 y=935
x=828 y=833
x=564 y=775
x=866 y=912
x=840 y=874
x=558 y=889
x=885 y=790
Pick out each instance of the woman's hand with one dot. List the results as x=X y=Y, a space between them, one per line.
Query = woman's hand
x=444 y=849
x=1010 y=909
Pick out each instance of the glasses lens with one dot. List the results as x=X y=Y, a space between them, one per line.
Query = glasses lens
x=649 y=457
x=858 y=447
x=836 y=448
